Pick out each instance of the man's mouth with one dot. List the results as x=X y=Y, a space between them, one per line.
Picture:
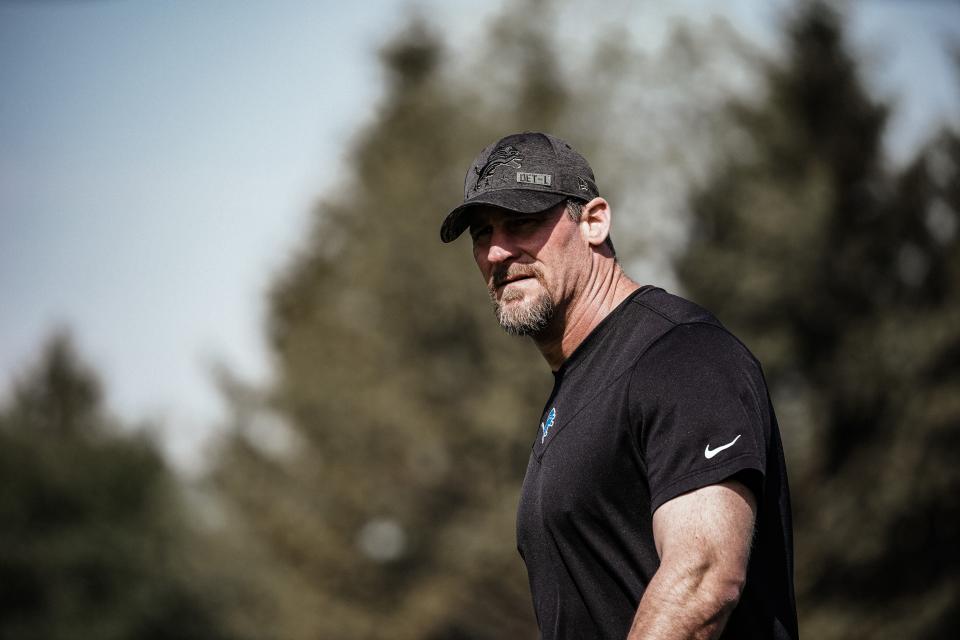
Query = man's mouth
x=511 y=280
x=504 y=275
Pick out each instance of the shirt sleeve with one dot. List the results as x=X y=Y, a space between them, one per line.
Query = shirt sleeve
x=701 y=411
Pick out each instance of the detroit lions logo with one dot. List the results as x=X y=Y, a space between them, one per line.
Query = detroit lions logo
x=545 y=426
x=507 y=154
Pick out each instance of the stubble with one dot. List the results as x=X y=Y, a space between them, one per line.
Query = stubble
x=521 y=313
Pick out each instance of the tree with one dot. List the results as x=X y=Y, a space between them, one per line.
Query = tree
x=93 y=542
x=374 y=483
x=394 y=514
x=840 y=273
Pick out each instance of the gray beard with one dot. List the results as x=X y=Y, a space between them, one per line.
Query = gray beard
x=529 y=319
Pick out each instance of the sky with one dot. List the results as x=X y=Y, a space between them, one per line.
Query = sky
x=158 y=161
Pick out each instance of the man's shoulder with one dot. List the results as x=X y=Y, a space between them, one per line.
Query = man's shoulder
x=672 y=308
x=642 y=320
x=652 y=313
x=657 y=321
x=648 y=317
x=674 y=329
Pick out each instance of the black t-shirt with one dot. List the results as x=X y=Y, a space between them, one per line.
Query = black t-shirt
x=658 y=400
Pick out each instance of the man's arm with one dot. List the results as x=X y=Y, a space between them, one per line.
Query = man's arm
x=703 y=538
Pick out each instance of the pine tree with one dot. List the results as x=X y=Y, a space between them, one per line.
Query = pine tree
x=374 y=483
x=841 y=273
x=93 y=540
x=394 y=514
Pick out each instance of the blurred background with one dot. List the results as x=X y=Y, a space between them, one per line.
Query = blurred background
x=246 y=393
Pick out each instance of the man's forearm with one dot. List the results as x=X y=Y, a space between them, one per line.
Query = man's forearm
x=703 y=538
x=684 y=604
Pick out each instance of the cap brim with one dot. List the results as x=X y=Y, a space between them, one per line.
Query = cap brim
x=516 y=200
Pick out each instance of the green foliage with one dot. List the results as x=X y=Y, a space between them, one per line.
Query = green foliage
x=393 y=515
x=377 y=478
x=371 y=487
x=92 y=542
x=842 y=275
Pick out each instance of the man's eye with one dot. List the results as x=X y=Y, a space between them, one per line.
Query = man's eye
x=479 y=233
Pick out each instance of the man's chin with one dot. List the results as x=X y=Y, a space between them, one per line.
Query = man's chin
x=523 y=317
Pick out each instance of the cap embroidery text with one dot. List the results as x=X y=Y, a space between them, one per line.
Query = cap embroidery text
x=544 y=179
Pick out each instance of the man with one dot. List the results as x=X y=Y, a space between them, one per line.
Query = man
x=655 y=503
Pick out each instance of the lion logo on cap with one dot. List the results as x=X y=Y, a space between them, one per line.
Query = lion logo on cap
x=505 y=155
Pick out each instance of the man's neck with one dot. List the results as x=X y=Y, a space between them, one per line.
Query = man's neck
x=604 y=290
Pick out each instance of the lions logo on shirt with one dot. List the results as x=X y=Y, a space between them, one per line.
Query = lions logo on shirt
x=545 y=426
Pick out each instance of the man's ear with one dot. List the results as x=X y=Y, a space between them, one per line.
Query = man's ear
x=595 y=221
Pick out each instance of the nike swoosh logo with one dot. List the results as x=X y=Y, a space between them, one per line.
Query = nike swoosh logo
x=709 y=453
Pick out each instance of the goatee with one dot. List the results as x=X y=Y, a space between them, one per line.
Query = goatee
x=517 y=316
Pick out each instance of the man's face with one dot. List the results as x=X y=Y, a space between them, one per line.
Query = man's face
x=527 y=263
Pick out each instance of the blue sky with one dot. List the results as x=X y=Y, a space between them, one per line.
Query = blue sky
x=158 y=161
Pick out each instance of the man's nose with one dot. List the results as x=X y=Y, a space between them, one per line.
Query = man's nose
x=501 y=249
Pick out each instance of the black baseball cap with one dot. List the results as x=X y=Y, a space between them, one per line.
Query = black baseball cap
x=523 y=172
